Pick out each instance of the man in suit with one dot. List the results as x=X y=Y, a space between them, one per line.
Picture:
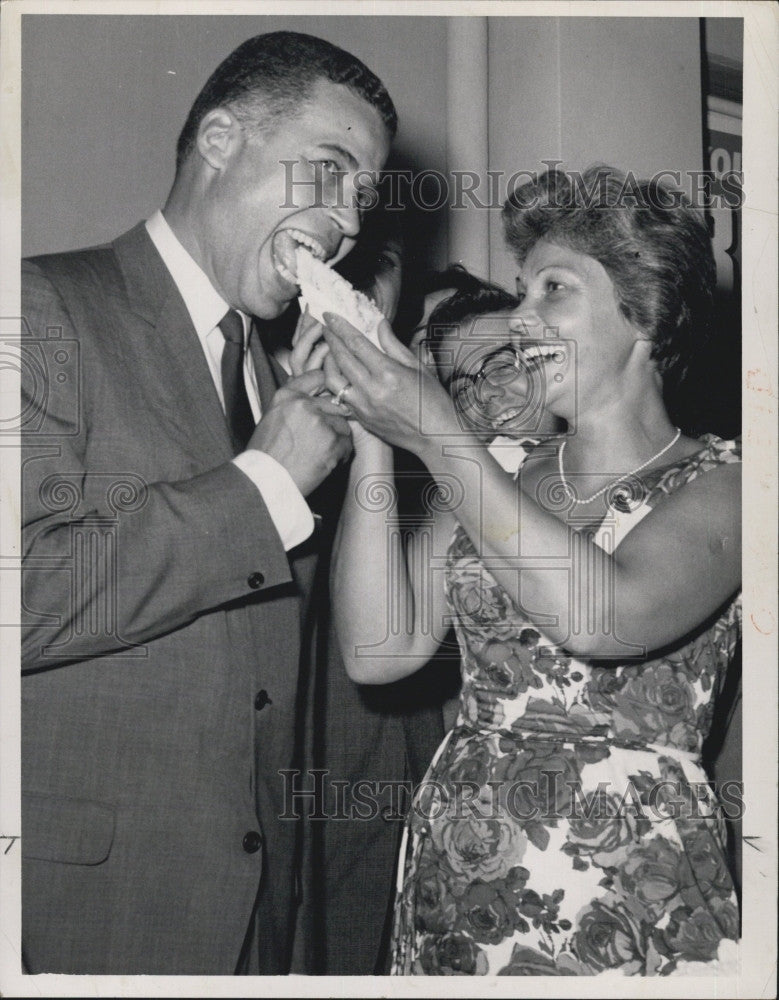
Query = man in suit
x=168 y=543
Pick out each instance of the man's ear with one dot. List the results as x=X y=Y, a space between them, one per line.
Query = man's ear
x=218 y=136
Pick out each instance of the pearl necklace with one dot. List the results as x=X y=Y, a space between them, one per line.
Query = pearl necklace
x=569 y=489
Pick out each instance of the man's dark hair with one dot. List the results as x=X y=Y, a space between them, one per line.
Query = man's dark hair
x=274 y=74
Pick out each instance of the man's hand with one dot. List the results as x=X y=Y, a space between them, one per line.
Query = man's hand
x=307 y=434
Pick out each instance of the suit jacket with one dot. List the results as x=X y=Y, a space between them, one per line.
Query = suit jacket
x=161 y=643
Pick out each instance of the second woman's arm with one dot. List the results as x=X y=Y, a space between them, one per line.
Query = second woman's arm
x=386 y=587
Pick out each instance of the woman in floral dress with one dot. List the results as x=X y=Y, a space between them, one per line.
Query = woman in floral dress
x=566 y=826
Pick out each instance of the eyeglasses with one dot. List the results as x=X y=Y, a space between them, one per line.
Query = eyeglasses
x=496 y=370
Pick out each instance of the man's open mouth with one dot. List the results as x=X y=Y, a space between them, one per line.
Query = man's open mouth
x=284 y=249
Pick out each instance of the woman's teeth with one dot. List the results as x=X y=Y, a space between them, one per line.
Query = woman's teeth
x=537 y=351
x=508 y=415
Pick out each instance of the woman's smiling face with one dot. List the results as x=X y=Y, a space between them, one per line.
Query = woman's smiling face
x=568 y=327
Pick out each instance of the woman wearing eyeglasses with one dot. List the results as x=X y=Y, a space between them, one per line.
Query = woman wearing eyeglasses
x=566 y=826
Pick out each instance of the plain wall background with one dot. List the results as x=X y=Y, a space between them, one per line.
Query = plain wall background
x=622 y=91
x=725 y=38
x=104 y=99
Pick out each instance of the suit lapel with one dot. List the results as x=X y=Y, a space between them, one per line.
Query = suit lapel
x=192 y=389
x=176 y=362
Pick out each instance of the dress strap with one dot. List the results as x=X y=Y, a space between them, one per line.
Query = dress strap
x=714 y=452
x=621 y=518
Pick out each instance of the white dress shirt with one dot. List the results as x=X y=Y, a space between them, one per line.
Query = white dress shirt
x=286 y=505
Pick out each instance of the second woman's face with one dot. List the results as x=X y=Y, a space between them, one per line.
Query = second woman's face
x=569 y=326
x=388 y=277
x=492 y=389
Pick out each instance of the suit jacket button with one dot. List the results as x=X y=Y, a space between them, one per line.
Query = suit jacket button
x=261 y=699
x=251 y=842
x=256 y=580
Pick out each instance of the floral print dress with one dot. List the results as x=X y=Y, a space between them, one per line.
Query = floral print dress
x=566 y=826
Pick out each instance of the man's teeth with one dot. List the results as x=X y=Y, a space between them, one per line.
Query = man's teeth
x=287 y=245
x=305 y=240
x=534 y=351
x=285 y=272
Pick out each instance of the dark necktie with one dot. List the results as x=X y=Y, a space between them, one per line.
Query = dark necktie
x=237 y=409
x=266 y=381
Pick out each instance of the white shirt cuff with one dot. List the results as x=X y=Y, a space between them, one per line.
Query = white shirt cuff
x=286 y=505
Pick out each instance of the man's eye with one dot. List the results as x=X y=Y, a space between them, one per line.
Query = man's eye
x=462 y=399
x=554 y=286
x=326 y=171
x=499 y=373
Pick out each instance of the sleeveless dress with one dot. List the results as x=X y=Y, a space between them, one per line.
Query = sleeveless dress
x=566 y=826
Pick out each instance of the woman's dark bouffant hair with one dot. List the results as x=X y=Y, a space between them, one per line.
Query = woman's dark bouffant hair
x=654 y=245
x=472 y=297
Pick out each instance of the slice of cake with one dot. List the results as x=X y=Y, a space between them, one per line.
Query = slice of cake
x=323 y=290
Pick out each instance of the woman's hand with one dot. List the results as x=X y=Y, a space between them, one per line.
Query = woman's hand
x=389 y=392
x=365 y=444
x=309 y=349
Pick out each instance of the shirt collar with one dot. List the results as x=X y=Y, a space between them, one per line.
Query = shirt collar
x=205 y=305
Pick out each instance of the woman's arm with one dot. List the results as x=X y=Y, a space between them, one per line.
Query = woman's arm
x=388 y=600
x=672 y=571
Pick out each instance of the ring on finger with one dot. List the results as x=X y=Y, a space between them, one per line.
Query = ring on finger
x=339 y=396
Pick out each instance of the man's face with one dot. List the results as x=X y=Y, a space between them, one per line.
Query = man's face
x=295 y=185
